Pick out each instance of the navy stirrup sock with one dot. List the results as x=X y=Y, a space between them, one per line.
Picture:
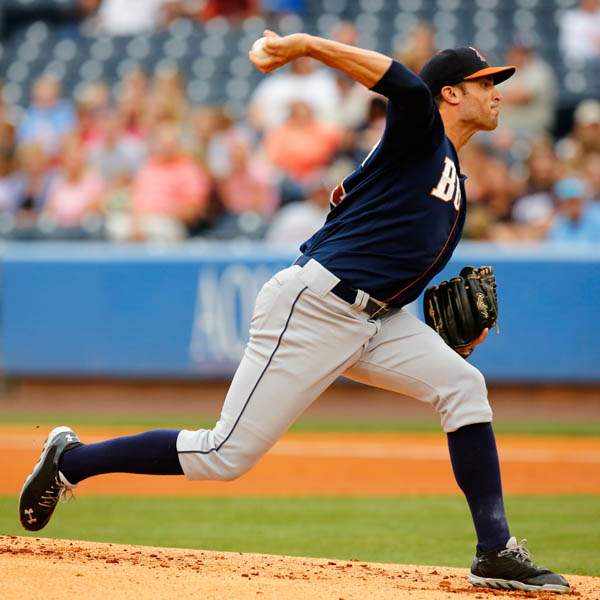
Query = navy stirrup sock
x=475 y=463
x=152 y=452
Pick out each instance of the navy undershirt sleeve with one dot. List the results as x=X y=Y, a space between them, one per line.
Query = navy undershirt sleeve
x=413 y=119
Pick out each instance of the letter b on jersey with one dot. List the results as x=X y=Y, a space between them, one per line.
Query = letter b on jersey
x=448 y=187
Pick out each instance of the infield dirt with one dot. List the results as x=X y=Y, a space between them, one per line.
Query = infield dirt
x=34 y=568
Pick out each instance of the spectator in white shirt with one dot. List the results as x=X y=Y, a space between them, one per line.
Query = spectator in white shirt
x=296 y=222
x=530 y=96
x=129 y=17
x=302 y=82
x=580 y=32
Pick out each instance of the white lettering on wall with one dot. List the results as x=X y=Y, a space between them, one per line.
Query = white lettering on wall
x=224 y=303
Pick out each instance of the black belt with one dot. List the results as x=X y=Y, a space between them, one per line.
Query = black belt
x=347 y=293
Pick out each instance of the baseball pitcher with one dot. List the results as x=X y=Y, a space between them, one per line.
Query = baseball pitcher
x=338 y=310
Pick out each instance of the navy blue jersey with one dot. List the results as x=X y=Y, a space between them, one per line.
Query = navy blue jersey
x=397 y=218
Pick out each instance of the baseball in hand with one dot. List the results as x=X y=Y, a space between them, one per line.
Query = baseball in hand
x=258 y=49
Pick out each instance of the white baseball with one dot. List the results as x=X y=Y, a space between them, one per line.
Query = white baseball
x=258 y=49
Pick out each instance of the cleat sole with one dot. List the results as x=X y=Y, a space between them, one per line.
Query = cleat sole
x=43 y=455
x=509 y=584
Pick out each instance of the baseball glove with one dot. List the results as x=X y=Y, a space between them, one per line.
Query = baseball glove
x=460 y=309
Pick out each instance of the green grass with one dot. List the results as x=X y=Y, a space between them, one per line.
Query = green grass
x=564 y=530
x=50 y=419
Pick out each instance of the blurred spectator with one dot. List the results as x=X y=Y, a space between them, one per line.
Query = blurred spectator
x=24 y=187
x=115 y=153
x=116 y=205
x=491 y=191
x=37 y=176
x=247 y=186
x=353 y=98
x=345 y=32
x=419 y=46
x=166 y=100
x=535 y=207
x=302 y=81
x=129 y=17
x=204 y=123
x=591 y=170
x=300 y=121
x=170 y=193
x=301 y=145
x=230 y=9
x=579 y=37
x=529 y=97
x=224 y=133
x=500 y=189
x=296 y=222
x=371 y=131
x=575 y=221
x=354 y=102
x=90 y=102
x=131 y=101
x=585 y=136
x=7 y=125
x=49 y=118
x=11 y=187
x=76 y=193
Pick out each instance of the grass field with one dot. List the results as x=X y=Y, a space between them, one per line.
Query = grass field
x=564 y=531
x=177 y=421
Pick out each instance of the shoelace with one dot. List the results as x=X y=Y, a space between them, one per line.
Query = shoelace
x=58 y=490
x=520 y=552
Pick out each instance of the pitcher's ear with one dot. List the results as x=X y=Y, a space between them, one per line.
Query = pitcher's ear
x=448 y=93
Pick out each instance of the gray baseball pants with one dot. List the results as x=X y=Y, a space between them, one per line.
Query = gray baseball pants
x=302 y=338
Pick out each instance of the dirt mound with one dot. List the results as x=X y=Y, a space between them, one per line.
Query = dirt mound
x=34 y=568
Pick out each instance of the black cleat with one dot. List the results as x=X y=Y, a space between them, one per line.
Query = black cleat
x=512 y=568
x=46 y=485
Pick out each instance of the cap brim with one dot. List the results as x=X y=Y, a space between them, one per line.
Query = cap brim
x=498 y=74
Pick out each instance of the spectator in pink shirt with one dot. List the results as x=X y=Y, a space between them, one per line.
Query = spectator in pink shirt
x=170 y=192
x=248 y=186
x=76 y=193
x=302 y=145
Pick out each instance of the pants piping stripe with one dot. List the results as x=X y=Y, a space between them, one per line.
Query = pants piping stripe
x=217 y=448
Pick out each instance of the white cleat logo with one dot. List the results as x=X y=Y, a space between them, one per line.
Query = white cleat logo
x=30 y=518
x=70 y=438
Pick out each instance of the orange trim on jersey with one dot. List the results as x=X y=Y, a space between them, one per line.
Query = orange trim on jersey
x=437 y=258
x=337 y=194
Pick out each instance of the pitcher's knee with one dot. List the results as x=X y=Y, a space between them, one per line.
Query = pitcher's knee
x=217 y=466
x=234 y=467
x=206 y=455
x=465 y=400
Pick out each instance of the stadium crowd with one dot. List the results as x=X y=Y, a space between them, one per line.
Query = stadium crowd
x=139 y=161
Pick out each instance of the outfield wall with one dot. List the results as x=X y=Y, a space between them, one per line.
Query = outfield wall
x=182 y=312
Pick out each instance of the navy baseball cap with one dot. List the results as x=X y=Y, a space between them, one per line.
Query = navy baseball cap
x=449 y=67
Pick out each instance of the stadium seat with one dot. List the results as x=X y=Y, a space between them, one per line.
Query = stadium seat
x=211 y=54
x=334 y=6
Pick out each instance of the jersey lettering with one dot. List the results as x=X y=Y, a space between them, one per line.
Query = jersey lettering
x=448 y=187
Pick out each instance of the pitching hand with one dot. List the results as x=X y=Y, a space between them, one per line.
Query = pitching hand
x=279 y=50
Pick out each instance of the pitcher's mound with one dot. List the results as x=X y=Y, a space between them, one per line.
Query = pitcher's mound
x=34 y=568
